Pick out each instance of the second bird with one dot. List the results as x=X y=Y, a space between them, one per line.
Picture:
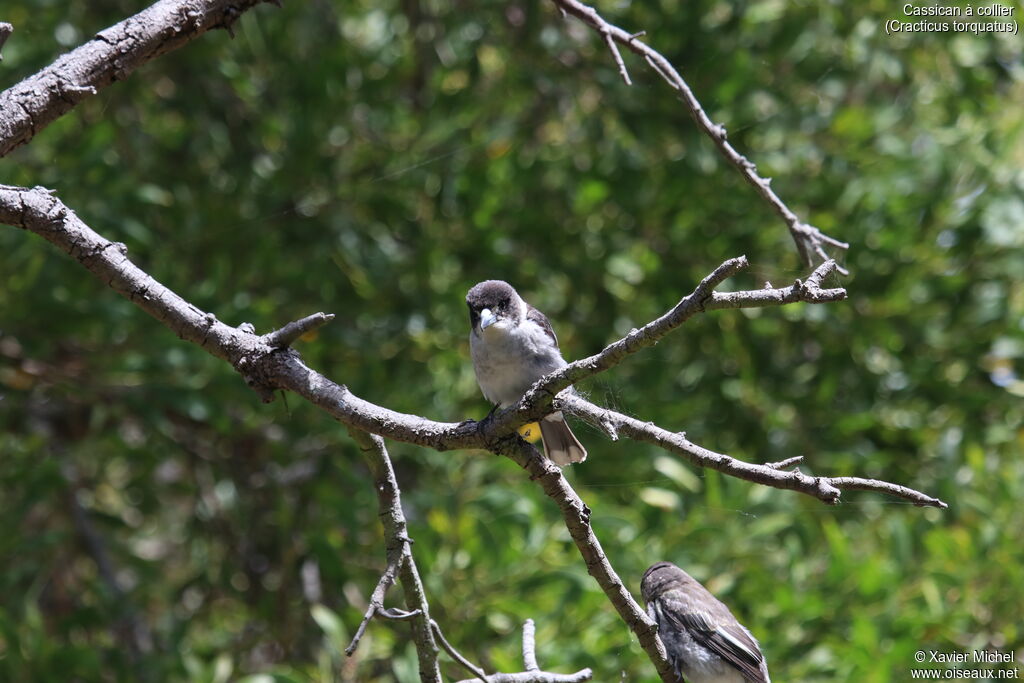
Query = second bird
x=513 y=346
x=704 y=642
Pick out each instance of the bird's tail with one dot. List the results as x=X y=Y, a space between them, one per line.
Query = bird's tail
x=560 y=444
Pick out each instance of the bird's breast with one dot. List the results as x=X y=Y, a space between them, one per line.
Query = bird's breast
x=508 y=361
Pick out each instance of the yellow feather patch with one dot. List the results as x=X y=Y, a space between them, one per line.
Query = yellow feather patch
x=530 y=432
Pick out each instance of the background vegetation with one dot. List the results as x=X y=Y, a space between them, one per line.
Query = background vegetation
x=375 y=159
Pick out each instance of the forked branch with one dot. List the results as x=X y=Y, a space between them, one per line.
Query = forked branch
x=810 y=241
x=267 y=364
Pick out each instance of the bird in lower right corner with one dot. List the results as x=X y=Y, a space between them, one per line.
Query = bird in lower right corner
x=704 y=641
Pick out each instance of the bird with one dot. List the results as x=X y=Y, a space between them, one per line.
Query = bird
x=513 y=346
x=704 y=641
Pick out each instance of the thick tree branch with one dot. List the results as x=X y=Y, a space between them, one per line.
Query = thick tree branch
x=37 y=101
x=810 y=241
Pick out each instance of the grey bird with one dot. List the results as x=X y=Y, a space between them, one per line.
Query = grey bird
x=705 y=642
x=513 y=346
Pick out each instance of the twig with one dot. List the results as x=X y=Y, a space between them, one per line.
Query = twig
x=387 y=579
x=537 y=677
x=617 y=56
x=785 y=464
x=395 y=614
x=530 y=646
x=532 y=672
x=809 y=239
x=466 y=664
x=287 y=335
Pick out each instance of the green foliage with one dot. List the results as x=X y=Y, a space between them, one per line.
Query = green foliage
x=375 y=159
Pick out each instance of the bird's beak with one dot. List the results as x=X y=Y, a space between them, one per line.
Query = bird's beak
x=487 y=318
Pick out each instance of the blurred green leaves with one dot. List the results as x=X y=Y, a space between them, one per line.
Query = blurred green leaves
x=375 y=160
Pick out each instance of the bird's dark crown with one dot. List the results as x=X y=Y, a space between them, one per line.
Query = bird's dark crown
x=660 y=573
x=497 y=295
x=493 y=294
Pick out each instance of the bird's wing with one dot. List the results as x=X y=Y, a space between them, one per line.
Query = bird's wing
x=536 y=316
x=733 y=645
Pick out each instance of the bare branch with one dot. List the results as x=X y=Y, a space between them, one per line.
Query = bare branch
x=810 y=241
x=530 y=646
x=532 y=672
x=576 y=515
x=395 y=614
x=537 y=677
x=400 y=558
x=477 y=672
x=387 y=579
x=618 y=57
x=113 y=54
x=426 y=632
x=825 y=489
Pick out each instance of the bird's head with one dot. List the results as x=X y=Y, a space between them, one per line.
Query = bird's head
x=493 y=304
x=662 y=576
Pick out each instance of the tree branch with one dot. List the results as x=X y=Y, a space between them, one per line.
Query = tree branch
x=532 y=672
x=530 y=646
x=576 y=515
x=426 y=632
x=37 y=101
x=810 y=241
x=387 y=579
x=825 y=489
x=400 y=558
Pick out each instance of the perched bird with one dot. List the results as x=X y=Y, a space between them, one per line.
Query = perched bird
x=513 y=346
x=704 y=641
